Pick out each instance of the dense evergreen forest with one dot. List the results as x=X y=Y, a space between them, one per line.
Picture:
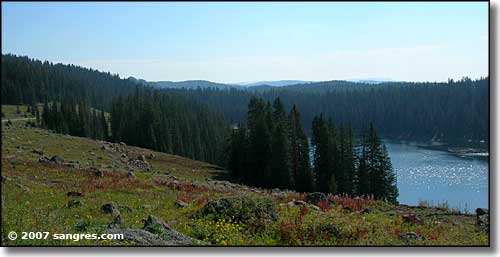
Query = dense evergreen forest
x=452 y=112
x=272 y=150
x=26 y=81
x=168 y=123
x=73 y=119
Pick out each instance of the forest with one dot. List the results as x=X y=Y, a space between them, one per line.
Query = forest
x=272 y=151
x=259 y=135
x=453 y=112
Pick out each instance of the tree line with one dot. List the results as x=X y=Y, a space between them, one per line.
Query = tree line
x=450 y=112
x=28 y=81
x=271 y=150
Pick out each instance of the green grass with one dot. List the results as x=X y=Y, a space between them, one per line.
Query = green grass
x=10 y=112
x=34 y=199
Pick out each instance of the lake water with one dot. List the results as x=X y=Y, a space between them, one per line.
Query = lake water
x=438 y=177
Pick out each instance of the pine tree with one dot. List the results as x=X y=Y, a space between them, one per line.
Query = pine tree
x=301 y=167
x=363 y=178
x=237 y=154
x=259 y=124
x=375 y=166
x=280 y=149
x=322 y=155
x=391 y=193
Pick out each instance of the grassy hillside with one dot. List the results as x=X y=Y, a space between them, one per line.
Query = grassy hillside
x=66 y=196
x=10 y=112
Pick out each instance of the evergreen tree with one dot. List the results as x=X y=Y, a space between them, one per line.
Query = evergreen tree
x=301 y=167
x=322 y=155
x=280 y=149
x=259 y=142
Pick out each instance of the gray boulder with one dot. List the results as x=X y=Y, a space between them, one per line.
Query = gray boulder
x=110 y=208
x=57 y=159
x=181 y=204
x=483 y=218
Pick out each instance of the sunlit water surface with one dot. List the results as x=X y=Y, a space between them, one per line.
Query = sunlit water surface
x=439 y=177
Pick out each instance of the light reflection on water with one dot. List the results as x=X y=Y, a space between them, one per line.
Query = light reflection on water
x=439 y=177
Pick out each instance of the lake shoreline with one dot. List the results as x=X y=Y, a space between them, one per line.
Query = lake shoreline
x=471 y=151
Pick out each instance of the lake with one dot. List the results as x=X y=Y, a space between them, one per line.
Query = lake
x=439 y=177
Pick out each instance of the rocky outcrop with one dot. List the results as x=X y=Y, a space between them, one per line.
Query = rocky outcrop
x=110 y=208
x=483 y=218
x=155 y=233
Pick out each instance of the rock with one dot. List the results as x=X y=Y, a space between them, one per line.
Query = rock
x=484 y=222
x=141 y=158
x=180 y=204
x=36 y=151
x=74 y=203
x=314 y=207
x=4 y=179
x=482 y=211
x=153 y=224
x=43 y=159
x=123 y=144
x=158 y=227
x=116 y=223
x=297 y=203
x=141 y=164
x=110 y=208
x=145 y=238
x=103 y=148
x=151 y=156
x=410 y=236
x=131 y=174
x=73 y=193
x=57 y=159
x=315 y=198
x=138 y=236
x=124 y=155
x=483 y=218
x=412 y=218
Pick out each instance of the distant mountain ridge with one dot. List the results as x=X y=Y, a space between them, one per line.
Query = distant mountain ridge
x=274 y=83
x=191 y=84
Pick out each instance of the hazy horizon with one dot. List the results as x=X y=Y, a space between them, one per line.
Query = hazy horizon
x=248 y=42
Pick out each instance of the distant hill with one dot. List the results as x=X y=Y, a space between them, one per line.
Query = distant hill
x=371 y=80
x=191 y=84
x=275 y=83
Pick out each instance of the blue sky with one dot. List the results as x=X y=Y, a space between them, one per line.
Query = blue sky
x=237 y=42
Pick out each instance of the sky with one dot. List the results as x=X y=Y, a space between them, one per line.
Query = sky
x=255 y=41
